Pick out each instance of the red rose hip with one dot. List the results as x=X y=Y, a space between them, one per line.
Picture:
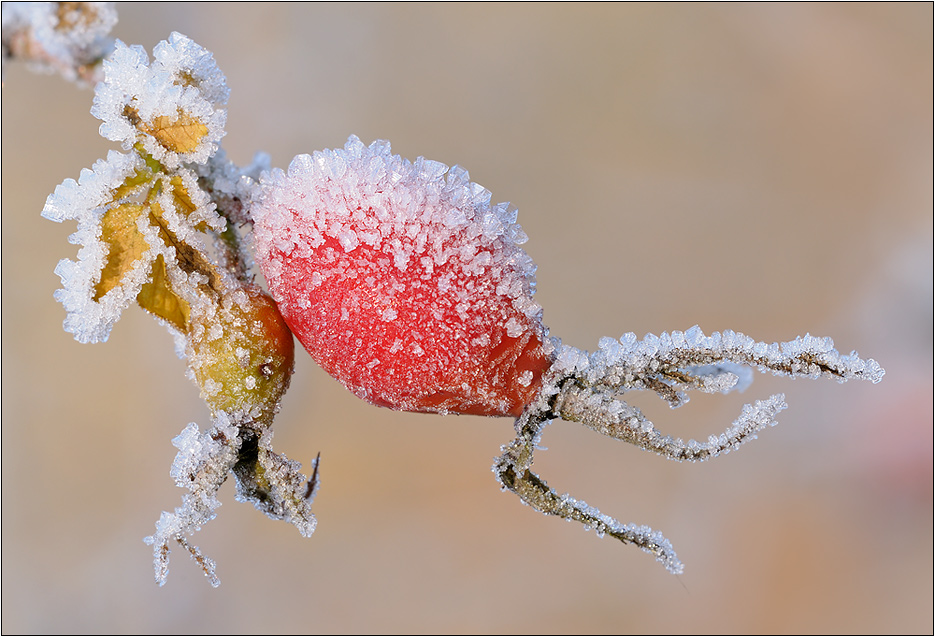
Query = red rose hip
x=405 y=285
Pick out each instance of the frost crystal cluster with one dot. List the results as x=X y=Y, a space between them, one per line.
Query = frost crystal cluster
x=402 y=280
x=399 y=277
x=159 y=227
x=69 y=38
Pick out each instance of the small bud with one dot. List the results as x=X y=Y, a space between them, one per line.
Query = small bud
x=242 y=354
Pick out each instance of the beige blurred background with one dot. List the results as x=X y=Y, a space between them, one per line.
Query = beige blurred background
x=762 y=168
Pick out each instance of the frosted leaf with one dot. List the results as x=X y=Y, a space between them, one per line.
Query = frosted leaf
x=90 y=319
x=69 y=38
x=143 y=239
x=191 y=65
x=171 y=107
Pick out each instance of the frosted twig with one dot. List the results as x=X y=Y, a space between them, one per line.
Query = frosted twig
x=584 y=388
x=512 y=470
x=238 y=445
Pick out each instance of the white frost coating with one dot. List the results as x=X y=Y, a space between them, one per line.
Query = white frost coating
x=59 y=36
x=717 y=362
x=672 y=364
x=409 y=208
x=183 y=79
x=89 y=320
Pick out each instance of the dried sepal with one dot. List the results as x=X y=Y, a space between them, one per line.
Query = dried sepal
x=272 y=482
x=514 y=474
x=586 y=388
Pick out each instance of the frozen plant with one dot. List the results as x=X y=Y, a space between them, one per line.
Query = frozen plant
x=69 y=38
x=159 y=226
x=400 y=278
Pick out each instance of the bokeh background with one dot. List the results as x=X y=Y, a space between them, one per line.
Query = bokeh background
x=763 y=168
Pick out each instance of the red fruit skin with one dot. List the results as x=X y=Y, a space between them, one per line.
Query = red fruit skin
x=432 y=356
x=403 y=282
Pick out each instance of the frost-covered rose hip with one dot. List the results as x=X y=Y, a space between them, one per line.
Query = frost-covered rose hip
x=407 y=286
x=241 y=353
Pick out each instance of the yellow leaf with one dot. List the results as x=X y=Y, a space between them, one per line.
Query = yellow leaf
x=183 y=201
x=125 y=245
x=179 y=135
x=186 y=257
x=131 y=183
x=157 y=297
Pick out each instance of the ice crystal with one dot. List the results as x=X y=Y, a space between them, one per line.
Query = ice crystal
x=586 y=388
x=69 y=38
x=400 y=277
x=370 y=244
x=173 y=106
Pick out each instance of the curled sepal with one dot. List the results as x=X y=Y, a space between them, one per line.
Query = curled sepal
x=172 y=107
x=235 y=444
x=512 y=470
x=587 y=386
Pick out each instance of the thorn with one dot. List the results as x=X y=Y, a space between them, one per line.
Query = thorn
x=313 y=481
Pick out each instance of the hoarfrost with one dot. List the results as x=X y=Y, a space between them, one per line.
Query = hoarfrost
x=393 y=247
x=273 y=483
x=586 y=388
x=172 y=107
x=69 y=38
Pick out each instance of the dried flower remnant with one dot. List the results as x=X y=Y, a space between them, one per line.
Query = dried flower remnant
x=152 y=232
x=413 y=291
x=69 y=38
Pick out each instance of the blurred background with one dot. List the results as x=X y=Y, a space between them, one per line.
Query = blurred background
x=763 y=168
